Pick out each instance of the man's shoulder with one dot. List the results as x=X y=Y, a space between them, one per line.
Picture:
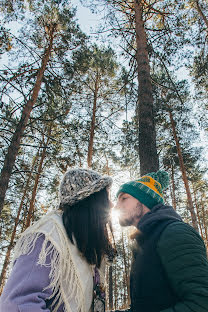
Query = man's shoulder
x=179 y=227
x=182 y=251
x=179 y=233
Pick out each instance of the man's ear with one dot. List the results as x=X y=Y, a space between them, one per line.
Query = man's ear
x=145 y=208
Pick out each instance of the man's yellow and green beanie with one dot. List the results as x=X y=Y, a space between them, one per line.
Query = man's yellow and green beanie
x=147 y=189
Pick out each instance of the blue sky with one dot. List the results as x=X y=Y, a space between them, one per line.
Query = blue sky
x=86 y=18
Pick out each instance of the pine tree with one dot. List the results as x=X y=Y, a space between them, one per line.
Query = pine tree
x=100 y=98
x=52 y=30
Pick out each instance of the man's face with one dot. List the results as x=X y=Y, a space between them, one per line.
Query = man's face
x=130 y=210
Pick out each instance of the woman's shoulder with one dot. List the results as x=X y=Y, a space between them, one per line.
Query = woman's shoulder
x=51 y=226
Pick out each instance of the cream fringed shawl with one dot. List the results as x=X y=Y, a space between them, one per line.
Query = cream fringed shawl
x=71 y=277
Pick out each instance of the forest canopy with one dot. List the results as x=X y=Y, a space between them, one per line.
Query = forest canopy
x=126 y=98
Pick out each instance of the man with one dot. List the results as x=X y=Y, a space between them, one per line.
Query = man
x=170 y=268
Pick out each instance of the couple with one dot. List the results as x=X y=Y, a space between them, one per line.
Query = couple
x=59 y=261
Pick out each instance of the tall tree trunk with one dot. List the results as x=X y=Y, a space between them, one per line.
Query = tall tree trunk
x=184 y=175
x=7 y=258
x=197 y=212
x=15 y=142
x=124 y=291
x=173 y=187
x=204 y=223
x=37 y=178
x=93 y=121
x=144 y=111
x=78 y=154
x=125 y=270
x=107 y=169
x=110 y=287
x=115 y=286
x=24 y=219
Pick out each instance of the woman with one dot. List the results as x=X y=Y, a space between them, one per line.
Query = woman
x=58 y=260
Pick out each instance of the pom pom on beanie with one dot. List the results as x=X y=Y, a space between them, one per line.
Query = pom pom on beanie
x=162 y=177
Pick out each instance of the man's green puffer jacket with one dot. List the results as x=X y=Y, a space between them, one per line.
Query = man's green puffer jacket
x=184 y=258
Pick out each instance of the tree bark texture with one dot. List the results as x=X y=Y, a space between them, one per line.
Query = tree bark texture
x=15 y=142
x=184 y=175
x=144 y=111
x=197 y=213
x=115 y=286
x=126 y=271
x=204 y=223
x=37 y=178
x=93 y=122
x=110 y=287
x=173 y=187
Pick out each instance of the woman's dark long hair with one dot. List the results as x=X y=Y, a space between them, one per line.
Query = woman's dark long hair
x=86 y=222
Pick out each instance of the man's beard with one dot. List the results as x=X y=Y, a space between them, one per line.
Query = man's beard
x=130 y=221
x=126 y=222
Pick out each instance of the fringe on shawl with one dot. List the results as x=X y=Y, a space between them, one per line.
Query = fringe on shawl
x=62 y=267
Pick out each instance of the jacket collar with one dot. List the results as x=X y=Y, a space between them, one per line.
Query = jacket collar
x=157 y=214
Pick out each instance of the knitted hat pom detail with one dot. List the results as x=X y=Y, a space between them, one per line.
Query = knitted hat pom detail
x=163 y=178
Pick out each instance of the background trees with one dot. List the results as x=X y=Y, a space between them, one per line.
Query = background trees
x=67 y=101
x=52 y=29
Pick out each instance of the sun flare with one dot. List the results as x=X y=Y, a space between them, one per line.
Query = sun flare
x=114 y=216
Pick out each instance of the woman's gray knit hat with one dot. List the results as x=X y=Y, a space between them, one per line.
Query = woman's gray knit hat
x=78 y=184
